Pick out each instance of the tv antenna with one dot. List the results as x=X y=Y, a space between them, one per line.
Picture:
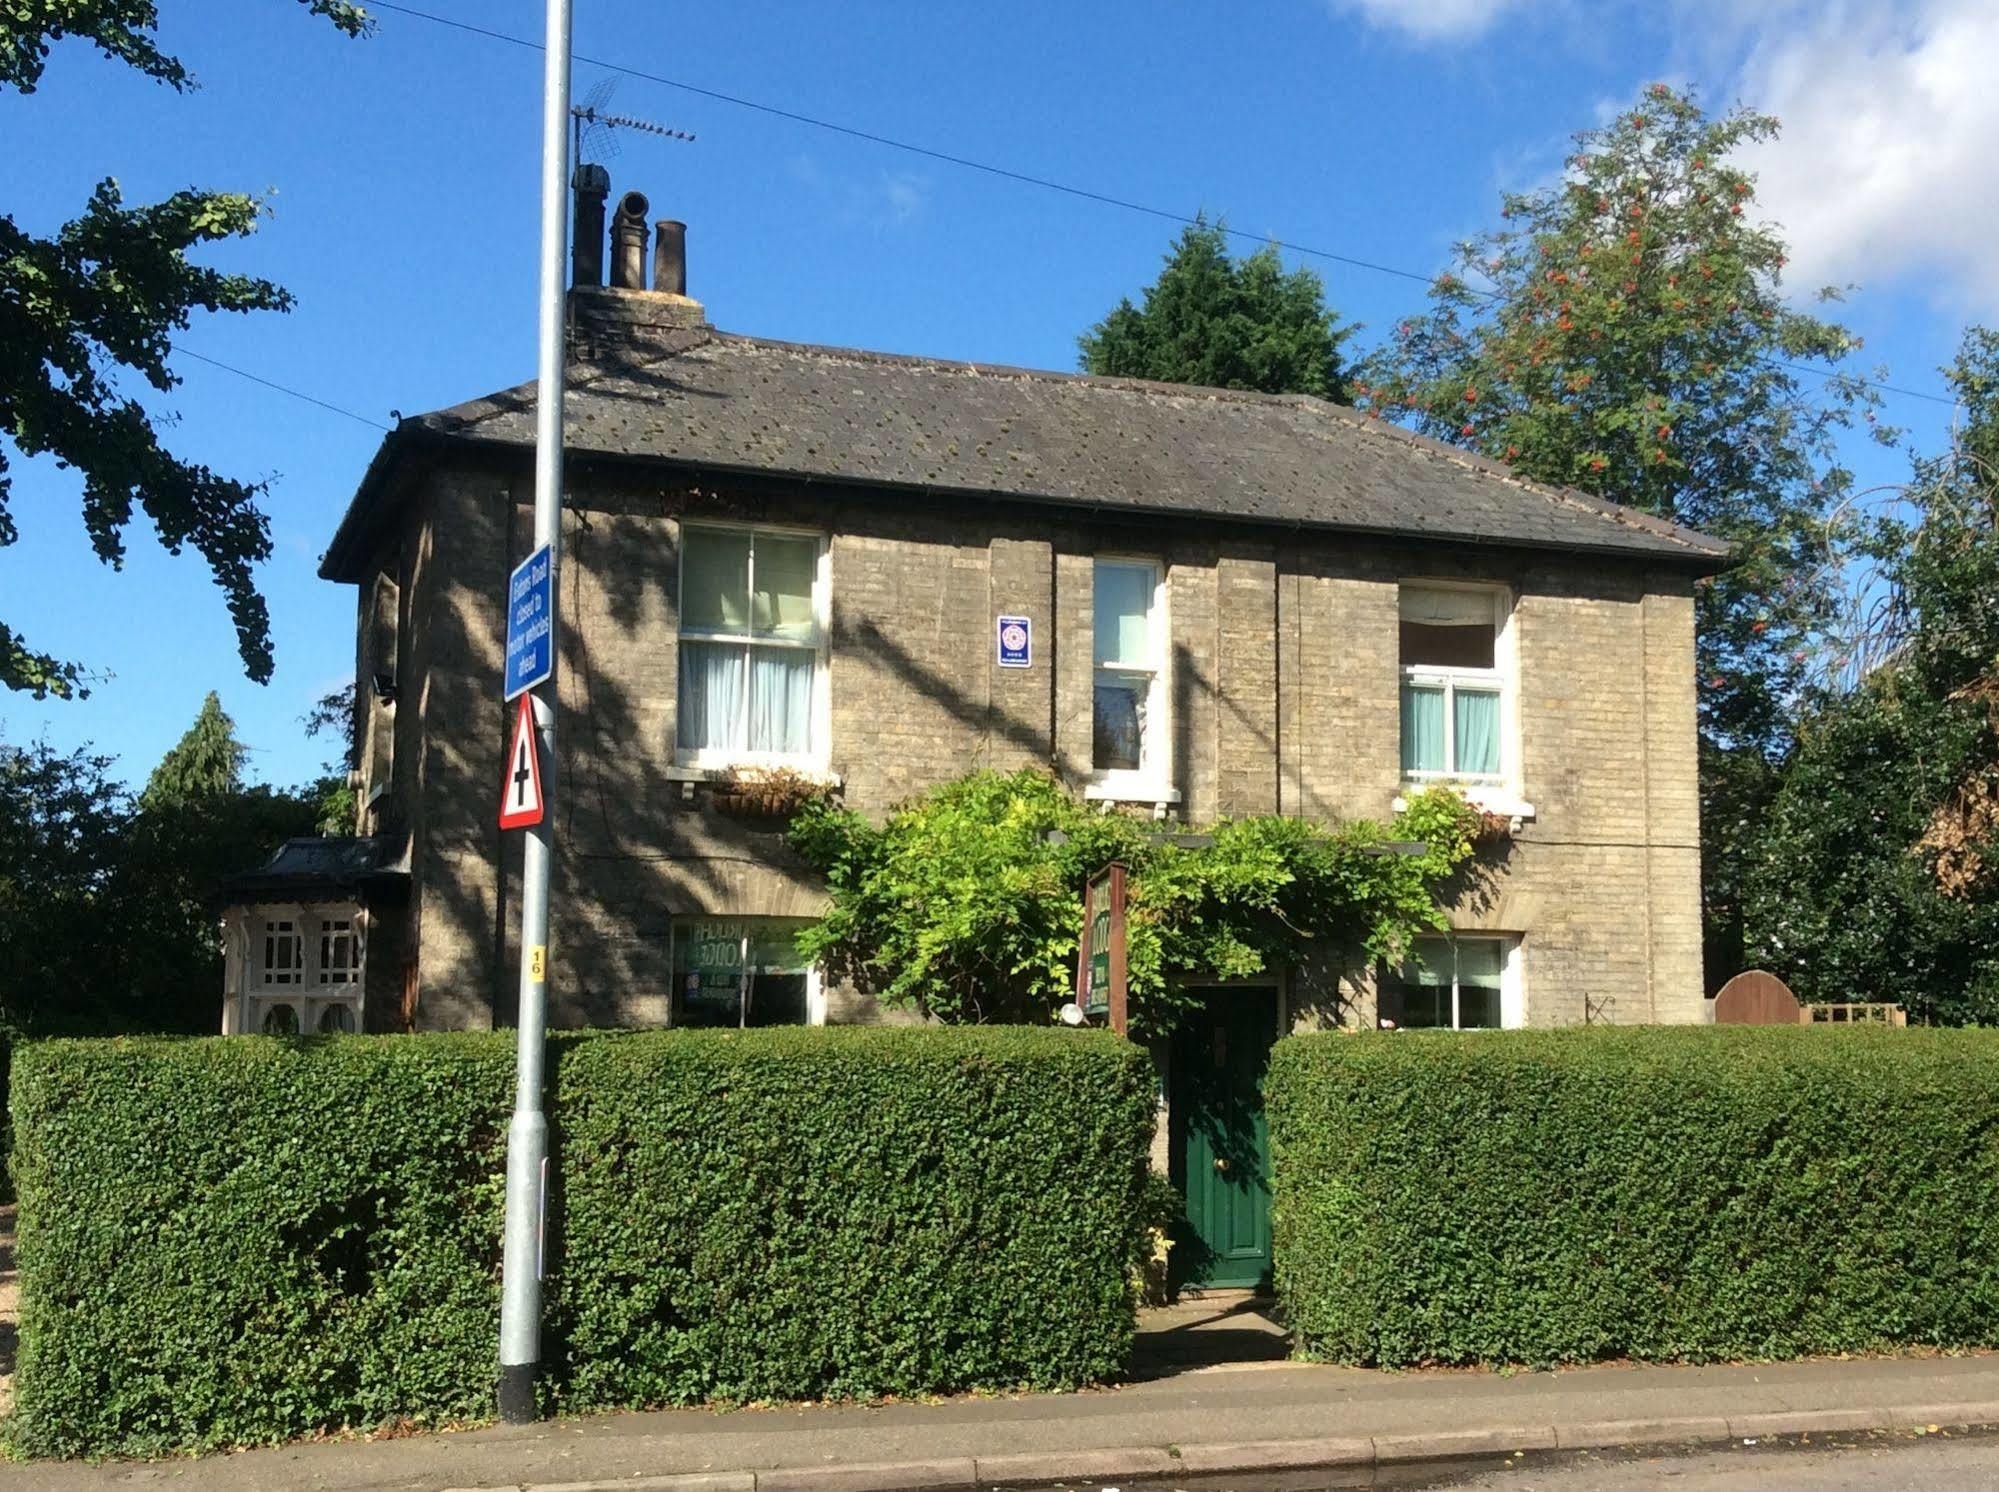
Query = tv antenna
x=596 y=127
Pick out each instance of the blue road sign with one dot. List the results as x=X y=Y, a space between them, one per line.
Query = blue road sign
x=530 y=613
x=1016 y=645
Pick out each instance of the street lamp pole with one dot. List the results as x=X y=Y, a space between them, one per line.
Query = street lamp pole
x=527 y=1134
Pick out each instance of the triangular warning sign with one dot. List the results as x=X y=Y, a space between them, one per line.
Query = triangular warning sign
x=520 y=789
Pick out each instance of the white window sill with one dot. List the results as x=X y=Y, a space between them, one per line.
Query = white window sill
x=716 y=771
x=1493 y=798
x=1118 y=789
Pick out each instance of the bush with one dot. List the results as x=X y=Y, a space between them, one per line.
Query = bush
x=237 y=1240
x=246 y=1239
x=1694 y=1194
x=792 y=1214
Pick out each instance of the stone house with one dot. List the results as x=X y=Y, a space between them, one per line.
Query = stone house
x=781 y=554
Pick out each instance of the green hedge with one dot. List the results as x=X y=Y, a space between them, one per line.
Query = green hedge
x=243 y=1240
x=1691 y=1194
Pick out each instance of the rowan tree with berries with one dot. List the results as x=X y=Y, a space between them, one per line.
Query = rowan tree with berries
x=1626 y=332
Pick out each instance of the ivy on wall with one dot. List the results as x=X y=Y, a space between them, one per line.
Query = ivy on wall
x=966 y=903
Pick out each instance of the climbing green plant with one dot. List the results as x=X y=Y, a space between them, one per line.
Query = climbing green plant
x=966 y=903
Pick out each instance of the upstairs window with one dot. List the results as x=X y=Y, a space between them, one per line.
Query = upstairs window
x=1129 y=729
x=1453 y=683
x=752 y=646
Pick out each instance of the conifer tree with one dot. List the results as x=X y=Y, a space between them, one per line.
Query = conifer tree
x=204 y=765
x=1224 y=323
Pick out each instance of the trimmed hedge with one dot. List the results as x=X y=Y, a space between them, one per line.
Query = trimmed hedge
x=801 y=1213
x=247 y=1239
x=1663 y=1194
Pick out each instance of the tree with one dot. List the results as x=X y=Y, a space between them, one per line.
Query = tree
x=206 y=763
x=1876 y=873
x=1626 y=333
x=108 y=904
x=106 y=293
x=62 y=841
x=337 y=717
x=196 y=824
x=1224 y=323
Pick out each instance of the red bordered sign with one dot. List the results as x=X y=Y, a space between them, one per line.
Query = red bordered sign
x=521 y=800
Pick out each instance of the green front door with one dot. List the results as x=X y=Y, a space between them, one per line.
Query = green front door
x=1221 y=1149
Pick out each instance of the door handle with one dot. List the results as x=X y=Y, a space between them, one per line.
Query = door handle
x=1222 y=1164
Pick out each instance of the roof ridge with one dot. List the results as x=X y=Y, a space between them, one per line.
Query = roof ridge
x=1372 y=423
x=1011 y=370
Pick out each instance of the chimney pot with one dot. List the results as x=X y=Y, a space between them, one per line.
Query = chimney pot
x=669 y=256
x=628 y=242
x=586 y=252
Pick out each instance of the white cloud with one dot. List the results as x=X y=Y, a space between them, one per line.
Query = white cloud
x=886 y=199
x=1890 y=134
x=1430 y=20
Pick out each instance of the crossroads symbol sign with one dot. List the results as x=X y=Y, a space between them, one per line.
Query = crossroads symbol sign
x=520 y=790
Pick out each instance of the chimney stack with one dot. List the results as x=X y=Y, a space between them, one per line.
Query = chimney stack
x=669 y=257
x=628 y=242
x=601 y=315
x=586 y=254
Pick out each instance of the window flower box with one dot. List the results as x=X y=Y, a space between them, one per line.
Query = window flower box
x=769 y=792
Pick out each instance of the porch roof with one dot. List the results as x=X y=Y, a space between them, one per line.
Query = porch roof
x=318 y=867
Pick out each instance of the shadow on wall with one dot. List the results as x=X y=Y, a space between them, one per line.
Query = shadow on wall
x=635 y=847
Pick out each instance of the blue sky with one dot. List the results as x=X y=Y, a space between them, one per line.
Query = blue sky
x=402 y=169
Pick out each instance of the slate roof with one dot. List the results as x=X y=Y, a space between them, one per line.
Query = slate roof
x=303 y=867
x=717 y=401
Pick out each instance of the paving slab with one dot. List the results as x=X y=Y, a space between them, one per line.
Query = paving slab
x=1174 y=1421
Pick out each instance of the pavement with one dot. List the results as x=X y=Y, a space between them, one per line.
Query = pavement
x=1187 y=1420
x=1895 y=1462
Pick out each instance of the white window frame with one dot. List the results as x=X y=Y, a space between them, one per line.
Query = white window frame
x=1151 y=781
x=1512 y=976
x=308 y=987
x=815 y=984
x=1502 y=678
x=819 y=748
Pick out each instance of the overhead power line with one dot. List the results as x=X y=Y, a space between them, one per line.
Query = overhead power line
x=1025 y=178
x=215 y=362
x=908 y=147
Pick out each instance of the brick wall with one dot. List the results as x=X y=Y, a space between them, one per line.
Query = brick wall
x=1283 y=677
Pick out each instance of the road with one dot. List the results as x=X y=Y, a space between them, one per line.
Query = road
x=1886 y=1463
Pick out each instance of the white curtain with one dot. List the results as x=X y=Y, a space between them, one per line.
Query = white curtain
x=781 y=700
x=1422 y=728
x=1477 y=731
x=711 y=696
